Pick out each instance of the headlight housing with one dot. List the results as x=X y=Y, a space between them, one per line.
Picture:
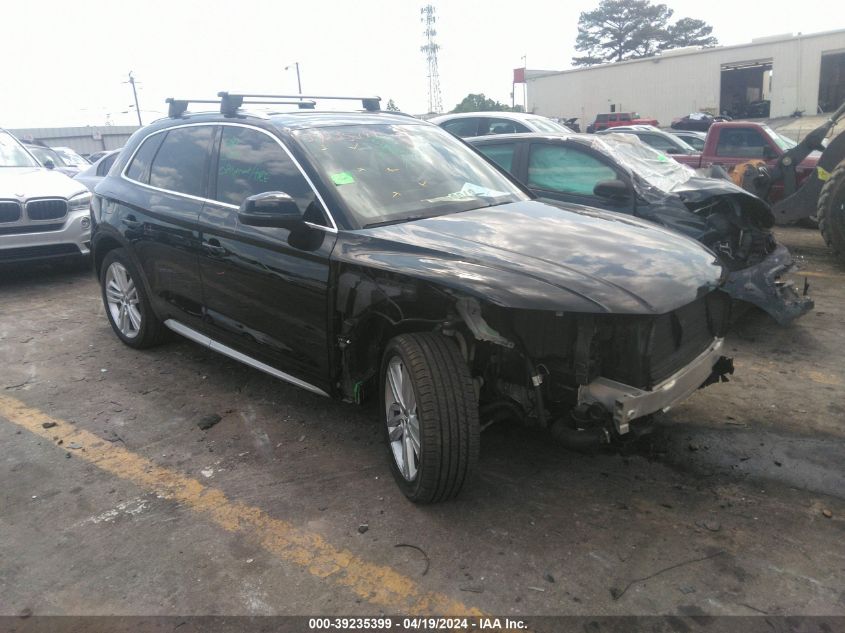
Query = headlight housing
x=80 y=202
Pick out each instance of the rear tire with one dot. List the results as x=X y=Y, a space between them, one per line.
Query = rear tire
x=429 y=416
x=831 y=211
x=128 y=308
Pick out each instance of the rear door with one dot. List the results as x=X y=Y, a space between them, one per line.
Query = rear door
x=160 y=217
x=568 y=172
x=265 y=290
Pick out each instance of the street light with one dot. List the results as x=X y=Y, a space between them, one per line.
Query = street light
x=298 y=80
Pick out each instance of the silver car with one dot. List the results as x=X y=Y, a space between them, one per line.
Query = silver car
x=96 y=171
x=43 y=213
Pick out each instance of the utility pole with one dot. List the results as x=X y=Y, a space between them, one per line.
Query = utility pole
x=430 y=48
x=135 y=94
x=298 y=80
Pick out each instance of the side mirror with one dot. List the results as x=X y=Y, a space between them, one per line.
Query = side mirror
x=769 y=152
x=275 y=209
x=612 y=190
x=49 y=164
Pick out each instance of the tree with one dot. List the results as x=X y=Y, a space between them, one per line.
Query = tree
x=480 y=103
x=391 y=106
x=620 y=29
x=689 y=32
x=617 y=30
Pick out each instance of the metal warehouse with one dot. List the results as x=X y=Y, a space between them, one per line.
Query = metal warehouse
x=84 y=140
x=801 y=72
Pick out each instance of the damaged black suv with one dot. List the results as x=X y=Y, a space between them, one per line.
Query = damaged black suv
x=372 y=254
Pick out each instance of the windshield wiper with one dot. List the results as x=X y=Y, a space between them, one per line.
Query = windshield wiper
x=408 y=218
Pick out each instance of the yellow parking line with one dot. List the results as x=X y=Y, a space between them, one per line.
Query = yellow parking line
x=377 y=584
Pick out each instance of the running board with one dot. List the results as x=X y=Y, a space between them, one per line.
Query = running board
x=210 y=343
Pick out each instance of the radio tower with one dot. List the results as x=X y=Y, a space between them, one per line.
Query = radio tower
x=430 y=48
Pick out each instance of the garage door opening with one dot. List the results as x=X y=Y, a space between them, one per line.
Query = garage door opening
x=746 y=87
x=832 y=81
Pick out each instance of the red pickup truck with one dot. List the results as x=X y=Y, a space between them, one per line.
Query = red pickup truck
x=615 y=119
x=731 y=143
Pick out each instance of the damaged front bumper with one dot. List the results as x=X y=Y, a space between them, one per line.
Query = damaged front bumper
x=628 y=403
x=762 y=286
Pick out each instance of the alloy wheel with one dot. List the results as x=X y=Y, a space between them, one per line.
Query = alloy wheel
x=403 y=426
x=123 y=300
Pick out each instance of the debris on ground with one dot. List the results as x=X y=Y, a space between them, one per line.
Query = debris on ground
x=363 y=528
x=421 y=551
x=827 y=513
x=548 y=577
x=48 y=425
x=472 y=589
x=207 y=421
x=74 y=445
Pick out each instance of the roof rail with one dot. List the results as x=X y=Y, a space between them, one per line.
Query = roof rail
x=230 y=102
x=177 y=107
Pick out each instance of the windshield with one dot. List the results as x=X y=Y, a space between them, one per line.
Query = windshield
x=43 y=154
x=781 y=141
x=393 y=173
x=653 y=166
x=70 y=157
x=547 y=125
x=12 y=154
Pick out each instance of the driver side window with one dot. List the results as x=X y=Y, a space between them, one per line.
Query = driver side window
x=562 y=168
x=252 y=162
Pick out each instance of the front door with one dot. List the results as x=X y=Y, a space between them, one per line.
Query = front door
x=265 y=290
x=564 y=172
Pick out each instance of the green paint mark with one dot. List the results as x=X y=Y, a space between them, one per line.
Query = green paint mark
x=342 y=178
x=662 y=158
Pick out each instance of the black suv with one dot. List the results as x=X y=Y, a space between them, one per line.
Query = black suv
x=372 y=254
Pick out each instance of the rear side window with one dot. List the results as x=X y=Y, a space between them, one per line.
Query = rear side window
x=106 y=163
x=561 y=168
x=181 y=163
x=624 y=117
x=462 y=127
x=601 y=118
x=252 y=162
x=501 y=154
x=740 y=143
x=139 y=169
x=504 y=126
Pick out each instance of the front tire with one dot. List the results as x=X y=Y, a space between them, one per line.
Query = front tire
x=831 y=211
x=430 y=416
x=127 y=306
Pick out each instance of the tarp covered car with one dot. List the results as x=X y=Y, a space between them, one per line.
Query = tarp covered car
x=620 y=173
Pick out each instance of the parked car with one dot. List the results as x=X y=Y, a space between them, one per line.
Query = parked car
x=735 y=144
x=614 y=119
x=70 y=157
x=371 y=255
x=466 y=124
x=693 y=139
x=619 y=173
x=656 y=138
x=43 y=213
x=95 y=172
x=48 y=158
x=697 y=121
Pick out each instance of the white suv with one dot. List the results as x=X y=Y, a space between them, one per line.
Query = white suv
x=467 y=124
x=43 y=214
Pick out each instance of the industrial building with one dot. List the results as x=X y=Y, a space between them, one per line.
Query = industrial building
x=792 y=72
x=83 y=140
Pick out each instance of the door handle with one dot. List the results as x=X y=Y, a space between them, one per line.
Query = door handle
x=214 y=248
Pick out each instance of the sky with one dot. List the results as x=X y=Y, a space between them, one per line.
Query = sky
x=69 y=64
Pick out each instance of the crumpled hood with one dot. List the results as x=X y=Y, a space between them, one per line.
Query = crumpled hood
x=23 y=183
x=698 y=189
x=540 y=256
